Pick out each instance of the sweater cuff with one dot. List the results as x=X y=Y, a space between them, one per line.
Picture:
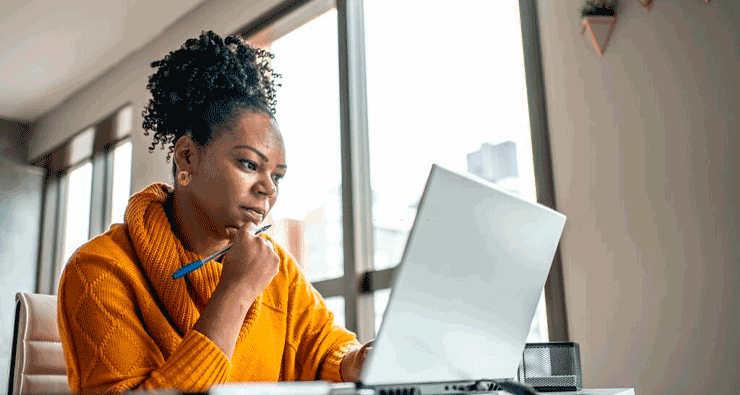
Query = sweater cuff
x=196 y=365
x=330 y=369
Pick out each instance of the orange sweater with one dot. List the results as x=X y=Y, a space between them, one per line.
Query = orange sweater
x=125 y=323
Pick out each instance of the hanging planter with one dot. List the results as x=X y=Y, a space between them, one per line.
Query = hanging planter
x=599 y=18
x=648 y=4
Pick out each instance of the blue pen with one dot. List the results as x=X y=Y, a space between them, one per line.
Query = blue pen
x=194 y=265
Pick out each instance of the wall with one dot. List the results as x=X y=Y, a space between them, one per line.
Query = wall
x=645 y=158
x=20 y=217
x=13 y=136
x=126 y=83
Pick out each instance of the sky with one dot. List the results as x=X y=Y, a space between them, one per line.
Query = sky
x=441 y=81
x=440 y=84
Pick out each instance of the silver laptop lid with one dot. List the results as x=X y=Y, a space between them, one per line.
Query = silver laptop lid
x=466 y=290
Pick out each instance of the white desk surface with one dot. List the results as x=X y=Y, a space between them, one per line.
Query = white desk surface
x=596 y=391
x=325 y=388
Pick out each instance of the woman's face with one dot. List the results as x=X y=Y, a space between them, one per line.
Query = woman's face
x=235 y=178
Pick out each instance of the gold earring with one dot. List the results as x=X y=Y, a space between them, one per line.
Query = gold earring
x=183 y=178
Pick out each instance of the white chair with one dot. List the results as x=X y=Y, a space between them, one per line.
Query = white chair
x=37 y=362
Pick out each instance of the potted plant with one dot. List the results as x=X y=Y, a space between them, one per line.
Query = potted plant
x=599 y=18
x=599 y=8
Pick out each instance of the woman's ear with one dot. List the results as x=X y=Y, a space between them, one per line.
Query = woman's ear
x=186 y=155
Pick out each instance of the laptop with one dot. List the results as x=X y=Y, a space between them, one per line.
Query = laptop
x=463 y=297
x=465 y=293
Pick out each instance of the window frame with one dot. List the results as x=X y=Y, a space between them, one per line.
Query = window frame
x=360 y=280
x=557 y=322
x=57 y=165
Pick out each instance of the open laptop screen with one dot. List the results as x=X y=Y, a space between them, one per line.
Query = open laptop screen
x=467 y=287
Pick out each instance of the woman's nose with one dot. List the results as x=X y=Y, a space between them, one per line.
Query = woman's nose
x=265 y=186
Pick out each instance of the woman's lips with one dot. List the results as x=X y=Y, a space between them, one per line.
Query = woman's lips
x=254 y=215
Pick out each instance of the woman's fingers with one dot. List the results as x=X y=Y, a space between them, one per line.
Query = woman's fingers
x=365 y=349
x=251 y=260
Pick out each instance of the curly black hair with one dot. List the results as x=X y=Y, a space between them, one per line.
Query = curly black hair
x=202 y=88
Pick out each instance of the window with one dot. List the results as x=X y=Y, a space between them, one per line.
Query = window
x=121 y=188
x=87 y=186
x=373 y=92
x=335 y=304
x=77 y=214
x=308 y=214
x=120 y=160
x=380 y=302
x=443 y=95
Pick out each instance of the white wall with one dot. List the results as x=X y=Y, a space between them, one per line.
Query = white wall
x=20 y=224
x=127 y=83
x=13 y=137
x=645 y=161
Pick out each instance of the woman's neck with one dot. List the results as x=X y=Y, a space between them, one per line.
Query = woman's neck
x=194 y=235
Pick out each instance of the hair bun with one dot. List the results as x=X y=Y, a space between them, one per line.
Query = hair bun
x=204 y=71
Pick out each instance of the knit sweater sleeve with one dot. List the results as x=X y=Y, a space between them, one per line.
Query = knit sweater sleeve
x=318 y=342
x=109 y=349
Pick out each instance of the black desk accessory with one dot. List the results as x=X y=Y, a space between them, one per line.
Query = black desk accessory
x=554 y=366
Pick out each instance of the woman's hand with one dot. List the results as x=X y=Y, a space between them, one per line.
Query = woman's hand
x=352 y=363
x=248 y=268
x=251 y=262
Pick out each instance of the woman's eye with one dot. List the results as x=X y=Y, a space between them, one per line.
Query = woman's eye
x=248 y=164
x=277 y=178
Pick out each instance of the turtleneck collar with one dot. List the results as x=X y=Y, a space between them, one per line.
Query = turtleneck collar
x=161 y=253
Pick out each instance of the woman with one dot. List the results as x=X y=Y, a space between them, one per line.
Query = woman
x=125 y=323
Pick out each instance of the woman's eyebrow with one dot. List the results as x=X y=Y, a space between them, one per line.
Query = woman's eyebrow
x=264 y=158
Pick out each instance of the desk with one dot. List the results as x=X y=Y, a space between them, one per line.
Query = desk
x=596 y=391
x=324 y=388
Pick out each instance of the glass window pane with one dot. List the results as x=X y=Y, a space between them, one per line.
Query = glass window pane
x=121 y=181
x=538 y=331
x=308 y=214
x=77 y=211
x=335 y=304
x=380 y=302
x=451 y=93
x=81 y=147
x=124 y=121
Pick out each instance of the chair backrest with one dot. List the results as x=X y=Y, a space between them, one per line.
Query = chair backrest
x=37 y=363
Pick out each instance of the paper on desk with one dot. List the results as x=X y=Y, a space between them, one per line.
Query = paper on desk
x=280 y=388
